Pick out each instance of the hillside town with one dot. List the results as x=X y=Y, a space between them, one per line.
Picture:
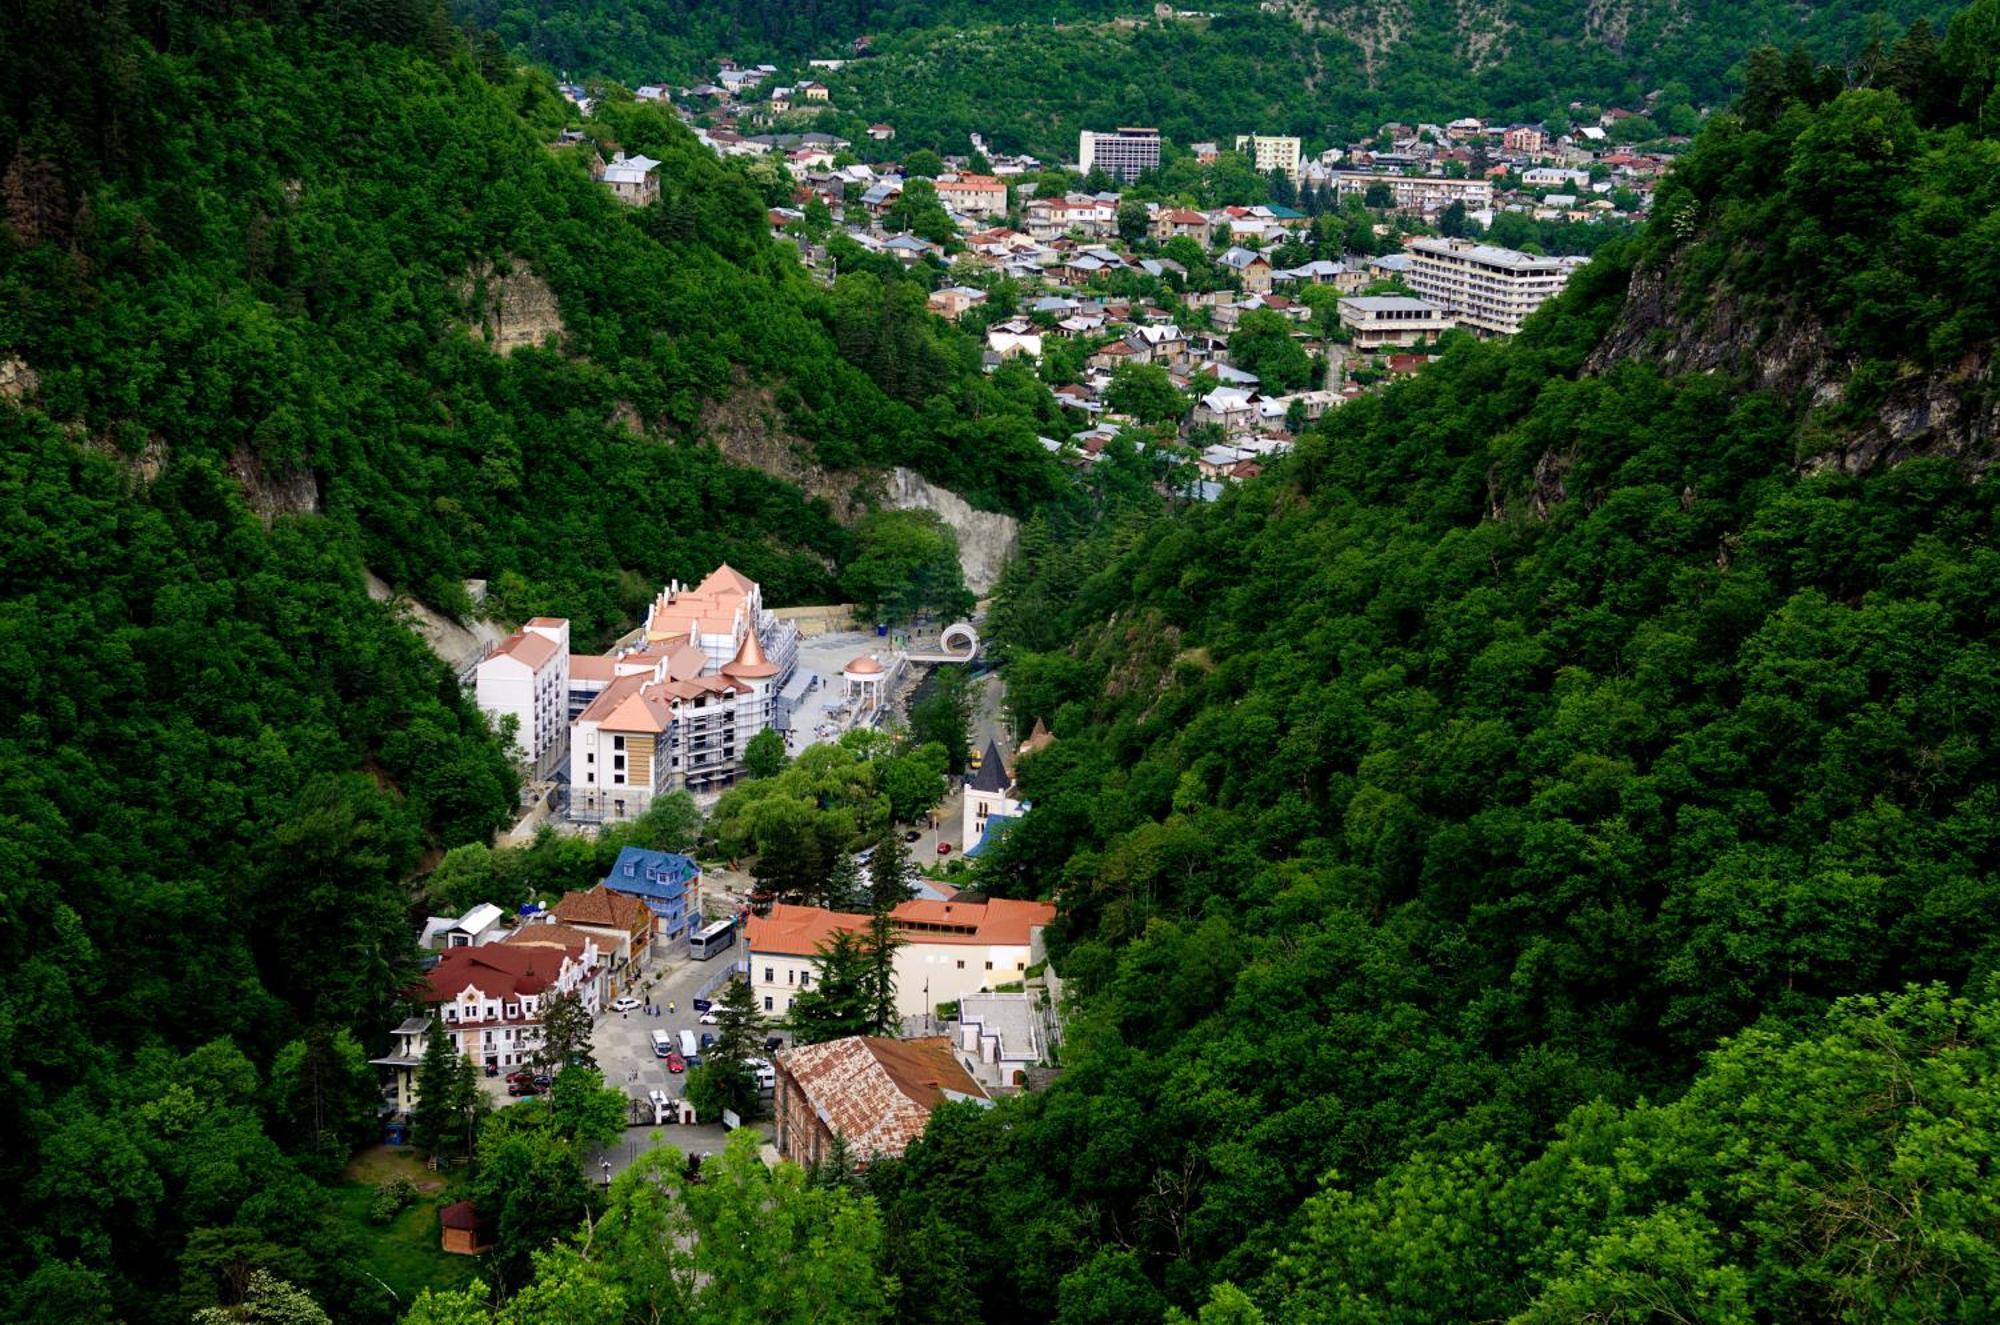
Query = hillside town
x=1363 y=256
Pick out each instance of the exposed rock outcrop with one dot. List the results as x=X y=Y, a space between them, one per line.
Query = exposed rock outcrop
x=985 y=538
x=292 y=490
x=1952 y=412
x=17 y=380
x=459 y=644
x=510 y=309
x=748 y=428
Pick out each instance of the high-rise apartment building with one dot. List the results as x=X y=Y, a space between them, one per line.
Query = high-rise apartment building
x=1271 y=154
x=1124 y=155
x=1488 y=290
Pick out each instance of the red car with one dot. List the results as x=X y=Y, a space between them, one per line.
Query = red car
x=944 y=848
x=675 y=1063
x=525 y=1074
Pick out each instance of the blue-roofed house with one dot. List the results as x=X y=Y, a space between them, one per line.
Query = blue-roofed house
x=665 y=881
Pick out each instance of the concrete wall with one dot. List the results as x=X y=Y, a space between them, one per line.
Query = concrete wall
x=820 y=619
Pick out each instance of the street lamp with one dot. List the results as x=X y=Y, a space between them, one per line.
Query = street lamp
x=605 y=1164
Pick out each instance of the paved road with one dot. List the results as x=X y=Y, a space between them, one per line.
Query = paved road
x=622 y=1042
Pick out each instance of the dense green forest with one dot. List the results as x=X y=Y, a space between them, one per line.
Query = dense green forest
x=644 y=40
x=1531 y=855
x=1467 y=834
x=248 y=268
x=1028 y=74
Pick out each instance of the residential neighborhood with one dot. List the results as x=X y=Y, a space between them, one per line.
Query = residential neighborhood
x=1364 y=255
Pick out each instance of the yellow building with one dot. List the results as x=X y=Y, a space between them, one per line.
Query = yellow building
x=1271 y=153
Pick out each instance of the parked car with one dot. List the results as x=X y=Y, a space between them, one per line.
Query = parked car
x=710 y=1019
x=625 y=1004
x=944 y=848
x=542 y=1081
x=912 y=835
x=707 y=1040
x=525 y=1074
x=675 y=1063
x=773 y=1043
x=522 y=1088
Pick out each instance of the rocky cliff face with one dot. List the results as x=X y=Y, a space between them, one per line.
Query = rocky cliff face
x=272 y=492
x=511 y=308
x=985 y=538
x=1951 y=412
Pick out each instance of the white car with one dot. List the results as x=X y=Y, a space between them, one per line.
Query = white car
x=710 y=1019
x=625 y=1004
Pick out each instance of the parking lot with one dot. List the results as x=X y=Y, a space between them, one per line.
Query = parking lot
x=622 y=1042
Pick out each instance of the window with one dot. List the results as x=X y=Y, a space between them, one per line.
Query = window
x=788 y=977
x=590 y=760
x=805 y=979
x=767 y=1002
x=618 y=742
x=989 y=966
x=961 y=964
x=768 y=977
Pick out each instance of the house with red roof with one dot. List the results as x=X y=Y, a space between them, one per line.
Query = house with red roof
x=949 y=949
x=490 y=998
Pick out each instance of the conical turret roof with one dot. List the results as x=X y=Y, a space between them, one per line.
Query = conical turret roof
x=750 y=664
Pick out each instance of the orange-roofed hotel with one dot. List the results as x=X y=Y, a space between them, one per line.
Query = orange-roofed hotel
x=950 y=949
x=673 y=709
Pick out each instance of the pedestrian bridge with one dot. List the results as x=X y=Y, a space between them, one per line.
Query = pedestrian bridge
x=959 y=643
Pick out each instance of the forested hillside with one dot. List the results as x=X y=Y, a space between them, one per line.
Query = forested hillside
x=1480 y=822
x=1028 y=74
x=288 y=295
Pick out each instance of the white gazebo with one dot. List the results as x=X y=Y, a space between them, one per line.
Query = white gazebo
x=864 y=684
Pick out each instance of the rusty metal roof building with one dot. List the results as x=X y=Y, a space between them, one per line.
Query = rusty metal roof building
x=876 y=1092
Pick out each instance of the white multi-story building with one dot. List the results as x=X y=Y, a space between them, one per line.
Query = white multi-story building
x=675 y=709
x=1486 y=289
x=1271 y=153
x=672 y=725
x=1378 y=320
x=974 y=195
x=1418 y=193
x=526 y=677
x=1124 y=155
x=949 y=949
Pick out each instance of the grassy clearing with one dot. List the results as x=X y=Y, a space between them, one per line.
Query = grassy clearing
x=405 y=1253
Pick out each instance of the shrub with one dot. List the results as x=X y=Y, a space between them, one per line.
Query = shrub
x=390 y=1199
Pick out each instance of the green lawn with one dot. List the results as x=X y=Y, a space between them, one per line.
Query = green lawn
x=404 y=1254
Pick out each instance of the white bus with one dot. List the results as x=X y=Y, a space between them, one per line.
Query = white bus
x=711 y=939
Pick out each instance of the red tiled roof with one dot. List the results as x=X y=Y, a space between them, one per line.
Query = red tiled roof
x=550 y=936
x=496 y=970
x=604 y=908
x=801 y=931
x=526 y=647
